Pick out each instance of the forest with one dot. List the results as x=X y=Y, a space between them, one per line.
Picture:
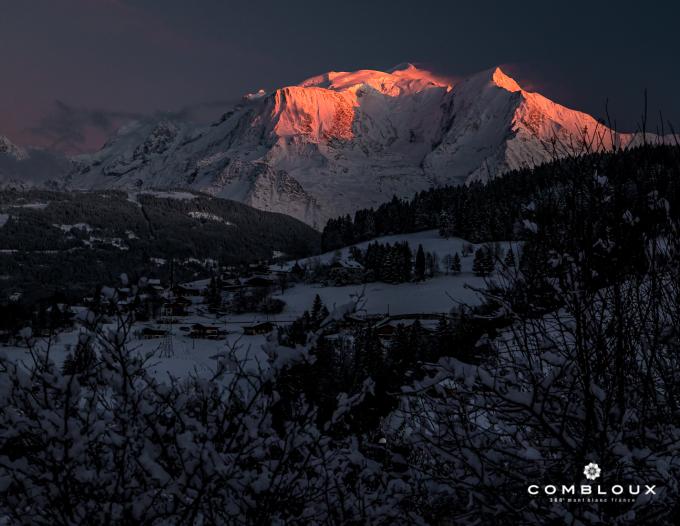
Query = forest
x=70 y=242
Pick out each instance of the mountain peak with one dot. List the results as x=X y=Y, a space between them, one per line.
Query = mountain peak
x=500 y=79
x=404 y=78
x=404 y=66
x=7 y=147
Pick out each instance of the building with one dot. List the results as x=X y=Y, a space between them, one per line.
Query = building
x=175 y=308
x=387 y=327
x=184 y=290
x=259 y=328
x=206 y=332
x=149 y=333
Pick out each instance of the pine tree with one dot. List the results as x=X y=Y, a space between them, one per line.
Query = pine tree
x=80 y=361
x=297 y=271
x=213 y=294
x=455 y=264
x=319 y=311
x=509 y=258
x=431 y=264
x=489 y=261
x=369 y=356
x=483 y=263
x=444 y=338
x=388 y=270
x=420 y=264
x=406 y=266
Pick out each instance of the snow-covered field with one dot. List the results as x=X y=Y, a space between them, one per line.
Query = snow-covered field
x=178 y=355
x=429 y=239
x=435 y=295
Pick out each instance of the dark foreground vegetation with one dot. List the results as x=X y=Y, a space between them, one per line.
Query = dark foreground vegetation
x=573 y=358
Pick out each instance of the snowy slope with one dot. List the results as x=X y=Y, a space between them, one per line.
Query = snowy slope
x=429 y=239
x=342 y=141
x=10 y=149
x=436 y=295
x=27 y=167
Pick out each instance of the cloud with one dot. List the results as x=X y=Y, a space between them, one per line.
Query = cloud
x=201 y=111
x=70 y=129
x=67 y=127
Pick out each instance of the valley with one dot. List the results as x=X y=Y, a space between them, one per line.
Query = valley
x=178 y=350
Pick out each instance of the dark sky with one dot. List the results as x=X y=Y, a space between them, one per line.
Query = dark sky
x=72 y=70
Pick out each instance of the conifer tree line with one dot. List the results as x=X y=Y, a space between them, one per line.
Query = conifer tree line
x=492 y=211
x=398 y=262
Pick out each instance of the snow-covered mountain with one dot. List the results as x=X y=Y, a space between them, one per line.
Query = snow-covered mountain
x=28 y=167
x=9 y=149
x=345 y=140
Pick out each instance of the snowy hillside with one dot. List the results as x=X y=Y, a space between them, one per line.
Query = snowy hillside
x=439 y=294
x=342 y=141
x=28 y=167
x=10 y=149
x=429 y=239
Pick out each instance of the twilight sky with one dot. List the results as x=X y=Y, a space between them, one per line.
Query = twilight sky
x=73 y=70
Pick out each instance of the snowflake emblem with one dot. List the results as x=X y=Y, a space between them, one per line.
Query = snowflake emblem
x=592 y=471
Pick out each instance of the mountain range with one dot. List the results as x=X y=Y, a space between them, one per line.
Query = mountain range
x=332 y=144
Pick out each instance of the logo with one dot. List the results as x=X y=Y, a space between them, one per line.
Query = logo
x=592 y=471
x=592 y=492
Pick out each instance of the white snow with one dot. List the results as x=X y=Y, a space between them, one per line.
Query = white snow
x=208 y=217
x=182 y=196
x=78 y=226
x=32 y=206
x=260 y=94
x=171 y=195
x=436 y=295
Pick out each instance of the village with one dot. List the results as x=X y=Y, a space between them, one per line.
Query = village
x=185 y=324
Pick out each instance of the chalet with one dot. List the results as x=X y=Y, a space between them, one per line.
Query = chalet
x=206 y=332
x=386 y=331
x=259 y=328
x=177 y=307
x=231 y=284
x=349 y=321
x=229 y=274
x=257 y=267
x=387 y=327
x=184 y=290
x=155 y=286
x=124 y=292
x=149 y=333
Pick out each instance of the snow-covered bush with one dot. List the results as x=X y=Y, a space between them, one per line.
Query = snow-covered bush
x=592 y=380
x=113 y=445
